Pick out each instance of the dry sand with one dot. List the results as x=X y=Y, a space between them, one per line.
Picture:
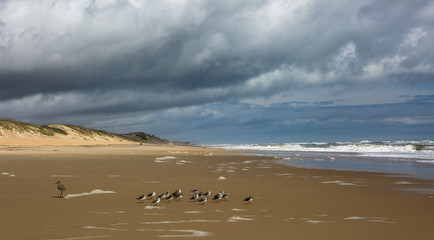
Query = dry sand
x=289 y=203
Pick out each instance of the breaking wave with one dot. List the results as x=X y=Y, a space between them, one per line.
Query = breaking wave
x=394 y=149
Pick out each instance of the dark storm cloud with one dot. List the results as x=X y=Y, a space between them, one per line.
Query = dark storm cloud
x=67 y=59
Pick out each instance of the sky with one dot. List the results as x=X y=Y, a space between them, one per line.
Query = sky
x=227 y=71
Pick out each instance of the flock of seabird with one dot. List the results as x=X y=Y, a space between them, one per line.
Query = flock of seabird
x=198 y=196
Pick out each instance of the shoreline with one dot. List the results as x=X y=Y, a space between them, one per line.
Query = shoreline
x=350 y=161
x=289 y=201
x=71 y=149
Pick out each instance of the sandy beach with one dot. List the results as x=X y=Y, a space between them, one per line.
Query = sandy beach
x=289 y=203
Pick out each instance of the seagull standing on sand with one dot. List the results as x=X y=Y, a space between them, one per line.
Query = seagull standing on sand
x=151 y=195
x=156 y=201
x=170 y=197
x=194 y=197
x=61 y=188
x=248 y=199
x=217 y=197
x=163 y=195
x=203 y=200
x=141 y=197
x=178 y=196
x=177 y=192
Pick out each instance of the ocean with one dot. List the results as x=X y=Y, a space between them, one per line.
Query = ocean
x=409 y=158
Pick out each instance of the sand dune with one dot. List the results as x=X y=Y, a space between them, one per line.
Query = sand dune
x=14 y=133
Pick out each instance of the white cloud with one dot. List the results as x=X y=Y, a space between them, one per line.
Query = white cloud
x=413 y=37
x=346 y=56
x=383 y=67
x=408 y=120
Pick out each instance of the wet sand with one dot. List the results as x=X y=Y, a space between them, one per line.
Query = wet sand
x=289 y=203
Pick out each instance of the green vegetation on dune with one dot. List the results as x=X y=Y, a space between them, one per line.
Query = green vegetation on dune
x=10 y=125
x=91 y=132
x=51 y=130
x=21 y=127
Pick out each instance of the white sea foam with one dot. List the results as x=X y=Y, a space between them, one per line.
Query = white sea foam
x=153 y=207
x=395 y=149
x=378 y=221
x=340 y=183
x=222 y=178
x=355 y=218
x=164 y=159
x=346 y=184
x=283 y=174
x=193 y=212
x=182 y=162
x=238 y=219
x=402 y=183
x=81 y=238
x=370 y=219
x=192 y=233
x=104 y=228
x=426 y=161
x=5 y=173
x=238 y=210
x=183 y=221
x=316 y=221
x=93 y=192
